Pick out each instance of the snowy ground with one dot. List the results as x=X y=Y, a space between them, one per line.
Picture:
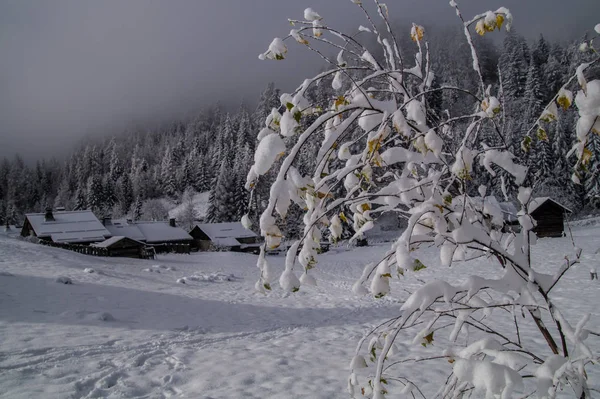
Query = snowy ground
x=127 y=328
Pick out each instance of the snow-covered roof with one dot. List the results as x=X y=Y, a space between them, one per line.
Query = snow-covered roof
x=156 y=232
x=110 y=241
x=537 y=202
x=225 y=234
x=70 y=226
x=120 y=227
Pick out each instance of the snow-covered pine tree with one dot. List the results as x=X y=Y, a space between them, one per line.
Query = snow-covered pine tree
x=80 y=198
x=222 y=205
x=591 y=181
x=95 y=193
x=269 y=99
x=431 y=186
x=167 y=174
x=115 y=169
x=136 y=208
x=109 y=192
x=124 y=194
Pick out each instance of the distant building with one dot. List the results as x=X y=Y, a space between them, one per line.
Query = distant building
x=163 y=236
x=65 y=227
x=233 y=236
x=123 y=227
x=124 y=247
x=549 y=216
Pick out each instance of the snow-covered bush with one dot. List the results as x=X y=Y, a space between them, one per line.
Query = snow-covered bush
x=384 y=147
x=64 y=280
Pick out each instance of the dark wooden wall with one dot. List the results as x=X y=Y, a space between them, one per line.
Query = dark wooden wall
x=550 y=220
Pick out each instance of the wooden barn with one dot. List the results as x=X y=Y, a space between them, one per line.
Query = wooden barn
x=233 y=236
x=125 y=247
x=65 y=227
x=165 y=236
x=549 y=216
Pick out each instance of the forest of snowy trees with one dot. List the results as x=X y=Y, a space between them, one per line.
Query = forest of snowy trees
x=125 y=175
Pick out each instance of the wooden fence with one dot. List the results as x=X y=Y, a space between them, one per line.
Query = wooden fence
x=148 y=252
x=82 y=249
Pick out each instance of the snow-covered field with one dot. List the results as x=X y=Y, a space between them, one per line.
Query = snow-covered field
x=128 y=328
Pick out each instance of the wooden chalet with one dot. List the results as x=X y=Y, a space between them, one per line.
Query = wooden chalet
x=65 y=227
x=125 y=247
x=163 y=236
x=233 y=236
x=549 y=216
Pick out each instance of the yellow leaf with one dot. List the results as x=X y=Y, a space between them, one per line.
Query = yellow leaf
x=341 y=100
x=480 y=27
x=586 y=156
x=428 y=339
x=541 y=134
x=365 y=207
x=441 y=208
x=450 y=360
x=485 y=105
x=564 y=102
x=417 y=33
x=343 y=217
x=374 y=145
x=499 y=21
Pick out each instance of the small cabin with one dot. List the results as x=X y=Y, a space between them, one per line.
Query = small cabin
x=549 y=216
x=124 y=247
x=165 y=236
x=65 y=227
x=233 y=236
x=123 y=227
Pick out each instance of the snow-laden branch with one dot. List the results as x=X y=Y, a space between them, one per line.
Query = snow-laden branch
x=381 y=150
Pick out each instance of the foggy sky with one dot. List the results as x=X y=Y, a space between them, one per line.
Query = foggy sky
x=71 y=68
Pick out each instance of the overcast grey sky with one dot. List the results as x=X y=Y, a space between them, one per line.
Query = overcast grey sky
x=71 y=68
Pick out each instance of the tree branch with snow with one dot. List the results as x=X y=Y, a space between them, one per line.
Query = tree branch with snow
x=382 y=150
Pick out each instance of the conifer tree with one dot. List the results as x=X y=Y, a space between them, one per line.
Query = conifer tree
x=167 y=174
x=222 y=201
x=94 y=193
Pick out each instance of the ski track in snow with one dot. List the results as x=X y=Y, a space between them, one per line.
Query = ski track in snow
x=125 y=332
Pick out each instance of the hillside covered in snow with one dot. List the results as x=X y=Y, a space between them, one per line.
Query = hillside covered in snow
x=193 y=325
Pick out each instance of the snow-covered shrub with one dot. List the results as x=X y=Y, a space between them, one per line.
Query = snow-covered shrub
x=105 y=316
x=208 y=277
x=64 y=280
x=384 y=147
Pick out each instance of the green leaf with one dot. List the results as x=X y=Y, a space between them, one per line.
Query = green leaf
x=289 y=106
x=297 y=116
x=267 y=286
x=526 y=144
x=419 y=265
x=428 y=339
x=295 y=289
